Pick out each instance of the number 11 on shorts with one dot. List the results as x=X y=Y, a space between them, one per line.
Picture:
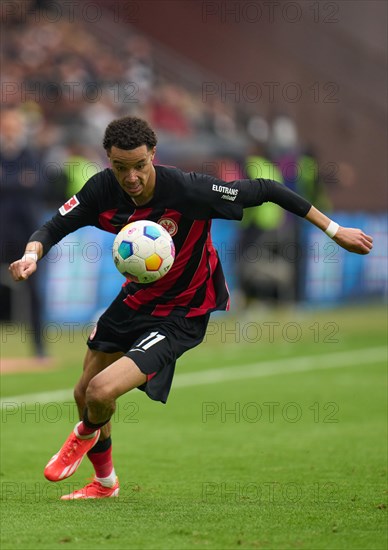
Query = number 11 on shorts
x=153 y=338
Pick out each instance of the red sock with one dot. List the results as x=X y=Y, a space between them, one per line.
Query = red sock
x=102 y=462
x=84 y=430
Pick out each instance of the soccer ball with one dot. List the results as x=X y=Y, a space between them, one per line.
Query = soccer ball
x=143 y=251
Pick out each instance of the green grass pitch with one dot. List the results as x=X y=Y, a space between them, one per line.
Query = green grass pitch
x=274 y=437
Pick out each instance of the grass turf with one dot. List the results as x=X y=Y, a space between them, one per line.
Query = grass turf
x=295 y=460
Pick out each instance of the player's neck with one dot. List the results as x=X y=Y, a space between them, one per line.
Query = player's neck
x=141 y=201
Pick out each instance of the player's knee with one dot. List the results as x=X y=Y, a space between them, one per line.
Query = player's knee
x=79 y=394
x=97 y=393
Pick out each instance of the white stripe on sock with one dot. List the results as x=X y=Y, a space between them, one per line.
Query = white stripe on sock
x=108 y=481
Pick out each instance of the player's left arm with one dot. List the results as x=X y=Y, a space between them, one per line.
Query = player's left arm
x=219 y=199
x=349 y=238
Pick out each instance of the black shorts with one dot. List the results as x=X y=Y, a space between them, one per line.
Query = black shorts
x=153 y=343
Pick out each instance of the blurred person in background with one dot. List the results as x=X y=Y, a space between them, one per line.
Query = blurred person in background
x=21 y=204
x=80 y=164
x=140 y=68
x=298 y=163
x=264 y=274
x=299 y=170
x=168 y=110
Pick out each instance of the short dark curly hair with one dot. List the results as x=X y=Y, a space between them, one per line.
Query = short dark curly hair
x=129 y=133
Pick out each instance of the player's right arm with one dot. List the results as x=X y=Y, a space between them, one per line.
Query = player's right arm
x=79 y=211
x=27 y=265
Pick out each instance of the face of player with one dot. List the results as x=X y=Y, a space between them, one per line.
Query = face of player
x=134 y=171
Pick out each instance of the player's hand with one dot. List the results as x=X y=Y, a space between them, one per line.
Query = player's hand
x=353 y=240
x=22 y=269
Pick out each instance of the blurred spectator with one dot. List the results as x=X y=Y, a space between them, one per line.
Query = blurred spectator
x=141 y=70
x=220 y=118
x=80 y=165
x=95 y=117
x=20 y=205
x=168 y=110
x=300 y=171
x=82 y=79
x=264 y=273
x=298 y=164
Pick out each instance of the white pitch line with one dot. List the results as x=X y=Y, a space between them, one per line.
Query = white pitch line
x=260 y=369
x=288 y=365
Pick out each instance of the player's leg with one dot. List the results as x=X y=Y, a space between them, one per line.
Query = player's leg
x=100 y=404
x=117 y=379
x=106 y=344
x=94 y=363
x=86 y=437
x=95 y=439
x=149 y=364
x=100 y=455
x=102 y=391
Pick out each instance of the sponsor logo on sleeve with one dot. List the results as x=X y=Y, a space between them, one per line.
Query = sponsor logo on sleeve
x=229 y=193
x=69 y=205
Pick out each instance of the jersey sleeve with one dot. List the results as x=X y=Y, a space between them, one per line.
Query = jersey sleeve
x=213 y=198
x=80 y=210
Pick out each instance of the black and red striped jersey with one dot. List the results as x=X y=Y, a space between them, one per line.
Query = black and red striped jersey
x=184 y=203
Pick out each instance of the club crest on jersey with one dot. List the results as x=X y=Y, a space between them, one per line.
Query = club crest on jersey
x=169 y=225
x=69 y=205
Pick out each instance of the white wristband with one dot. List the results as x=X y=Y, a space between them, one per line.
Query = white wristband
x=32 y=255
x=332 y=229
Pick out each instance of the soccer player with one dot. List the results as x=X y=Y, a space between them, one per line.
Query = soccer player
x=138 y=339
